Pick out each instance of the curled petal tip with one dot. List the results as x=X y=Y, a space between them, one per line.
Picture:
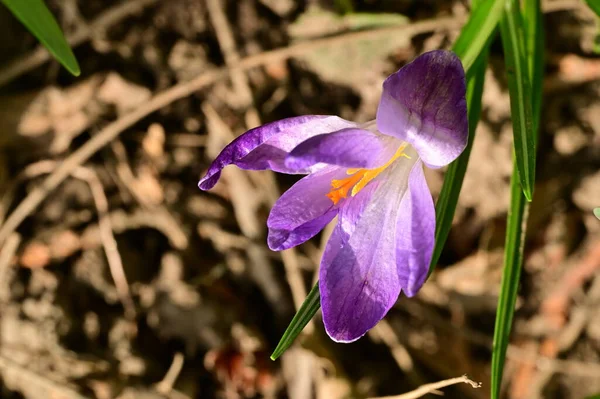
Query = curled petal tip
x=277 y=239
x=266 y=146
x=209 y=181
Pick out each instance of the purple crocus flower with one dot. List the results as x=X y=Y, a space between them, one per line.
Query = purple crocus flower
x=371 y=177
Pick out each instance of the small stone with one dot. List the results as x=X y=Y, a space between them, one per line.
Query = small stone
x=35 y=255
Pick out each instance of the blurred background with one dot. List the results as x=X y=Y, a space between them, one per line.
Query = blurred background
x=123 y=280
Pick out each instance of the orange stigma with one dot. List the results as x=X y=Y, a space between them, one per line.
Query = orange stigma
x=359 y=178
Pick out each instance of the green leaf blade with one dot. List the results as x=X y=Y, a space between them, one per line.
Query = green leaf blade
x=518 y=209
x=39 y=20
x=594 y=5
x=519 y=87
x=535 y=57
x=478 y=31
x=513 y=260
x=307 y=310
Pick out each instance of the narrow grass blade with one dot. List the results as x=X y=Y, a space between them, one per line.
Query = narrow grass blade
x=513 y=260
x=534 y=48
x=594 y=5
x=309 y=307
x=453 y=179
x=518 y=210
x=37 y=18
x=478 y=31
x=519 y=87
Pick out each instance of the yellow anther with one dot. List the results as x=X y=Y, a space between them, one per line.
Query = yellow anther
x=359 y=178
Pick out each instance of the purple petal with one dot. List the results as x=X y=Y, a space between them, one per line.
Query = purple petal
x=303 y=210
x=415 y=233
x=266 y=146
x=359 y=282
x=424 y=104
x=350 y=148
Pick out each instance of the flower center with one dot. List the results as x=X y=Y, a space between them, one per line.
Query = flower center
x=359 y=178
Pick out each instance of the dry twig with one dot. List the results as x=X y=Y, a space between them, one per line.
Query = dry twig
x=6 y=256
x=115 y=264
x=433 y=388
x=165 y=386
x=232 y=57
x=384 y=332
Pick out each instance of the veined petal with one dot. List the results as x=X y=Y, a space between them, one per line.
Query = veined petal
x=266 y=146
x=424 y=104
x=302 y=211
x=359 y=281
x=350 y=148
x=415 y=233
